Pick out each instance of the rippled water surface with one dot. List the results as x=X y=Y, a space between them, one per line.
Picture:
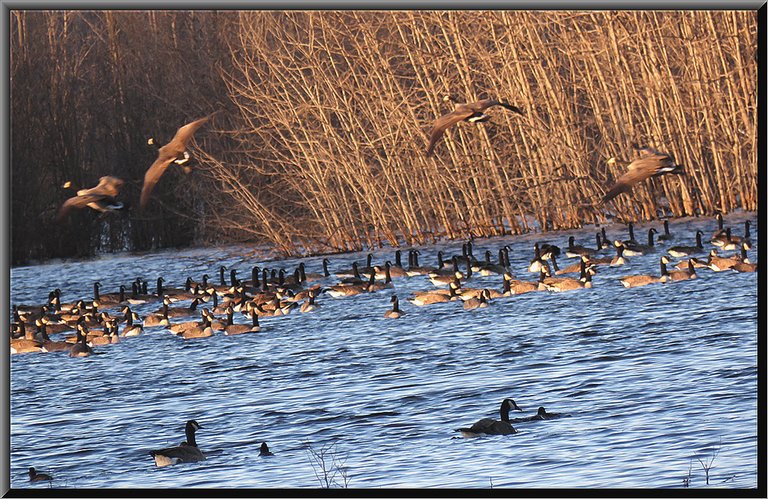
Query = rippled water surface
x=653 y=378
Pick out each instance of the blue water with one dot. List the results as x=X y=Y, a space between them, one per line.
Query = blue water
x=654 y=378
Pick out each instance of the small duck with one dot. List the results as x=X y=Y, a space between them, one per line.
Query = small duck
x=35 y=476
x=264 y=450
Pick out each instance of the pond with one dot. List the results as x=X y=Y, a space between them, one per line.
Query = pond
x=657 y=381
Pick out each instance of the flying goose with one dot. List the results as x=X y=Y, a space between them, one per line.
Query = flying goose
x=100 y=198
x=187 y=452
x=490 y=426
x=174 y=151
x=651 y=163
x=471 y=112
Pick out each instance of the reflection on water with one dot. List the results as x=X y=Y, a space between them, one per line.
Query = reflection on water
x=653 y=378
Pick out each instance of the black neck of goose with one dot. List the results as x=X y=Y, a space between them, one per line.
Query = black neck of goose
x=297 y=276
x=504 y=412
x=193 y=305
x=281 y=277
x=699 y=244
x=372 y=278
x=165 y=311
x=355 y=270
x=302 y=273
x=719 y=222
x=398 y=260
x=205 y=280
x=469 y=249
x=188 y=284
x=190 y=431
x=395 y=304
x=455 y=263
x=221 y=275
x=746 y=229
x=369 y=260
x=583 y=269
x=254 y=317
x=134 y=289
x=501 y=258
x=159 y=286
x=232 y=278
x=536 y=251
x=387 y=274
x=144 y=287
x=122 y=293
x=440 y=261
x=487 y=257
x=311 y=298
x=469 y=266
x=598 y=241
x=663 y=268
x=215 y=299
x=728 y=234
x=326 y=273
x=743 y=253
x=506 y=286
x=230 y=317
x=554 y=263
x=96 y=295
x=691 y=267
x=255 y=277
x=506 y=257
x=571 y=241
x=273 y=276
x=650 y=238
x=631 y=232
x=464 y=251
x=620 y=251
x=128 y=318
x=415 y=258
x=264 y=279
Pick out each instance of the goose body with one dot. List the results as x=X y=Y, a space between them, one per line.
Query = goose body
x=651 y=163
x=681 y=251
x=187 y=452
x=100 y=198
x=174 y=151
x=490 y=426
x=35 y=476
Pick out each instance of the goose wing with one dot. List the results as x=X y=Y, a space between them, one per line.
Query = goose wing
x=184 y=133
x=152 y=176
x=79 y=202
x=443 y=122
x=638 y=170
x=107 y=186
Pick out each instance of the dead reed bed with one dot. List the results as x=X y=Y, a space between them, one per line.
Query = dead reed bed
x=334 y=107
x=321 y=145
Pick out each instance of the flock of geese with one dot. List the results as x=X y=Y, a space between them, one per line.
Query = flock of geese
x=103 y=196
x=107 y=318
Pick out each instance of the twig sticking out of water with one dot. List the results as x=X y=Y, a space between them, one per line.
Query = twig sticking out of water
x=327 y=466
x=707 y=463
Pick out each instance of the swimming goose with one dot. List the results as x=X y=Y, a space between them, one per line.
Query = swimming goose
x=108 y=299
x=651 y=163
x=726 y=241
x=314 y=276
x=677 y=275
x=490 y=426
x=34 y=476
x=100 y=198
x=559 y=284
x=577 y=250
x=187 y=452
x=130 y=329
x=414 y=268
x=631 y=240
x=394 y=312
x=310 y=305
x=27 y=343
x=479 y=302
x=681 y=251
x=470 y=112
x=619 y=258
x=48 y=344
x=633 y=281
x=666 y=236
x=719 y=263
x=422 y=298
x=744 y=265
x=487 y=268
x=513 y=286
x=394 y=271
x=641 y=249
x=232 y=329
x=174 y=151
x=81 y=348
